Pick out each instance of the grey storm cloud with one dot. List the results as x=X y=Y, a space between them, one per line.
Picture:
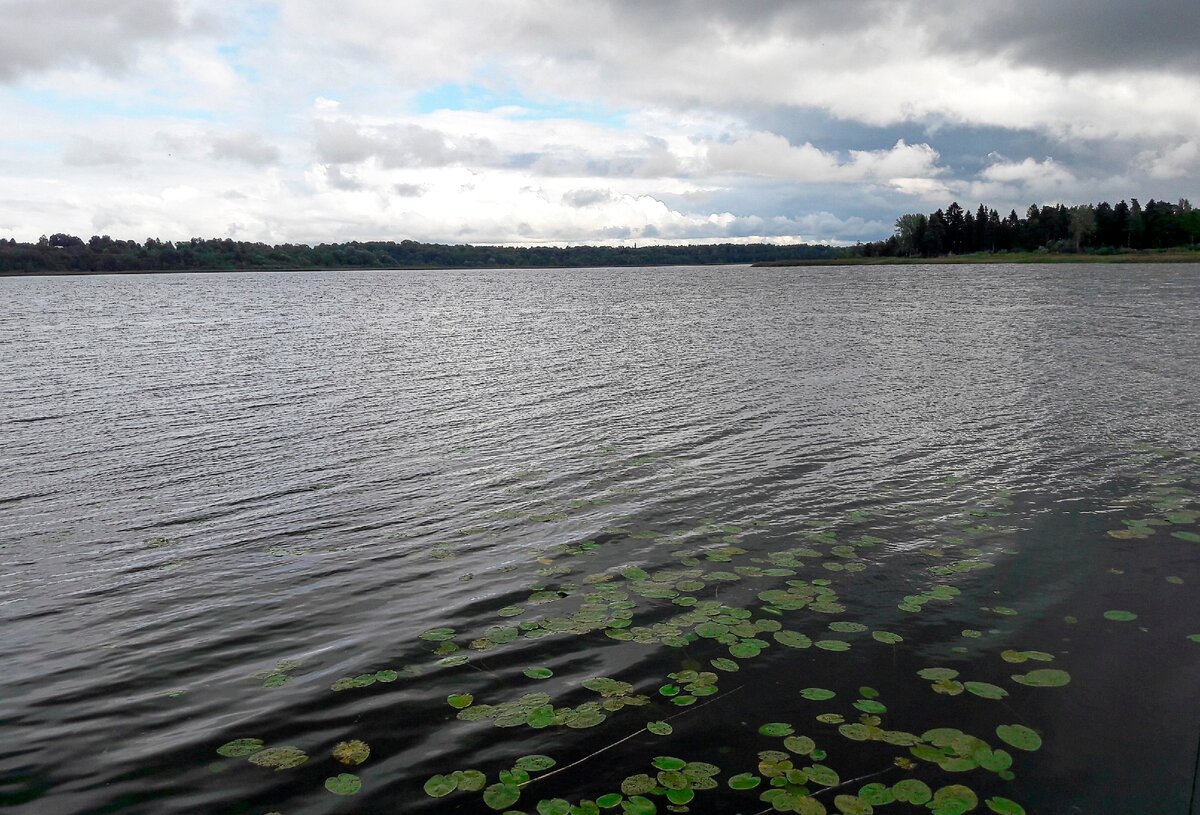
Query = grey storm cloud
x=1080 y=35
x=587 y=198
x=248 y=147
x=38 y=35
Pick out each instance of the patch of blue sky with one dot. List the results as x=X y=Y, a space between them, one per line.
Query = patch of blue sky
x=84 y=107
x=473 y=96
x=256 y=21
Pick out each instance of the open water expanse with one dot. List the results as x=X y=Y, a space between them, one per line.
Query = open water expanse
x=912 y=539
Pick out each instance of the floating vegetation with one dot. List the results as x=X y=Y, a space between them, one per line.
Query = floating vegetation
x=351 y=752
x=279 y=758
x=721 y=600
x=277 y=676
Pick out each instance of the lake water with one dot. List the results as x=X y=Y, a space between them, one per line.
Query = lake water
x=251 y=512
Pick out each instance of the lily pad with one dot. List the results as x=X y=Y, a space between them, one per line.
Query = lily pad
x=343 y=784
x=498 y=796
x=1004 y=806
x=1043 y=678
x=279 y=758
x=744 y=781
x=458 y=701
x=351 y=752
x=1120 y=616
x=852 y=805
x=437 y=634
x=609 y=800
x=817 y=694
x=886 y=637
x=554 y=806
x=776 y=729
x=240 y=747
x=1019 y=736
x=912 y=791
x=439 y=786
x=985 y=690
x=660 y=728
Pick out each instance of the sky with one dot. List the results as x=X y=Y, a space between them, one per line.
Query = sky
x=590 y=121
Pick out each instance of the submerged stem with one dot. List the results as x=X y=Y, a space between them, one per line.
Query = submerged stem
x=627 y=738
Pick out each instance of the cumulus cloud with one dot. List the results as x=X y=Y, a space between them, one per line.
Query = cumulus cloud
x=772 y=155
x=39 y=35
x=587 y=198
x=247 y=147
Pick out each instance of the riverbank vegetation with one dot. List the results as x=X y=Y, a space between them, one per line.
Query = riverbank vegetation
x=1126 y=232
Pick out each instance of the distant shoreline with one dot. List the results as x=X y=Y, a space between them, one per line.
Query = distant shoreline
x=986 y=259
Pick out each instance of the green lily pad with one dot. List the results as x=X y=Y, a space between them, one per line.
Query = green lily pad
x=343 y=784
x=279 y=758
x=953 y=800
x=912 y=791
x=985 y=690
x=638 y=784
x=832 y=645
x=820 y=774
x=351 y=752
x=439 y=786
x=877 y=794
x=1019 y=736
x=817 y=694
x=609 y=800
x=437 y=634
x=855 y=731
x=239 y=748
x=637 y=805
x=852 y=805
x=776 y=729
x=1004 y=806
x=725 y=664
x=458 y=701
x=669 y=763
x=1120 y=616
x=935 y=674
x=471 y=780
x=847 y=627
x=1190 y=537
x=534 y=763
x=792 y=639
x=886 y=637
x=800 y=745
x=1043 y=678
x=744 y=781
x=554 y=806
x=538 y=673
x=497 y=796
x=386 y=676
x=660 y=728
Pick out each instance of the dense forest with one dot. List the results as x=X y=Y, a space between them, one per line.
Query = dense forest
x=60 y=253
x=1098 y=229
x=1101 y=228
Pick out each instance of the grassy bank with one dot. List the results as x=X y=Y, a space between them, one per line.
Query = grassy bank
x=1175 y=256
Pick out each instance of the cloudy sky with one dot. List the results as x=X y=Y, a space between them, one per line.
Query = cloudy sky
x=597 y=121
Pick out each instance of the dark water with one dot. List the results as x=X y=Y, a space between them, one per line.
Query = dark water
x=219 y=495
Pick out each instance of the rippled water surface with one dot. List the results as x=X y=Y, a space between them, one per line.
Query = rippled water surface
x=306 y=509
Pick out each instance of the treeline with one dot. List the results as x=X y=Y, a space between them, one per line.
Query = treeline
x=1100 y=228
x=64 y=254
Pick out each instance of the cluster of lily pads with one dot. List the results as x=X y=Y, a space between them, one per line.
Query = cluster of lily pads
x=728 y=604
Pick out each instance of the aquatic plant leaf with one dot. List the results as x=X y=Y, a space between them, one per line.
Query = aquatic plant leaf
x=953 y=800
x=660 y=728
x=351 y=752
x=637 y=805
x=934 y=674
x=538 y=673
x=386 y=676
x=470 y=780
x=820 y=774
x=744 y=781
x=1019 y=736
x=1194 y=637
x=776 y=729
x=638 y=784
x=239 y=748
x=847 y=627
x=855 y=732
x=792 y=639
x=1004 y=806
x=609 y=800
x=1190 y=537
x=497 y=796
x=554 y=806
x=343 y=784
x=725 y=664
x=439 y=786
x=886 y=637
x=985 y=690
x=871 y=706
x=817 y=694
x=800 y=745
x=1043 y=678
x=669 y=763
x=458 y=701
x=680 y=797
x=852 y=805
x=1120 y=616
x=877 y=794
x=279 y=758
x=831 y=718
x=437 y=634
x=832 y=645
x=912 y=791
